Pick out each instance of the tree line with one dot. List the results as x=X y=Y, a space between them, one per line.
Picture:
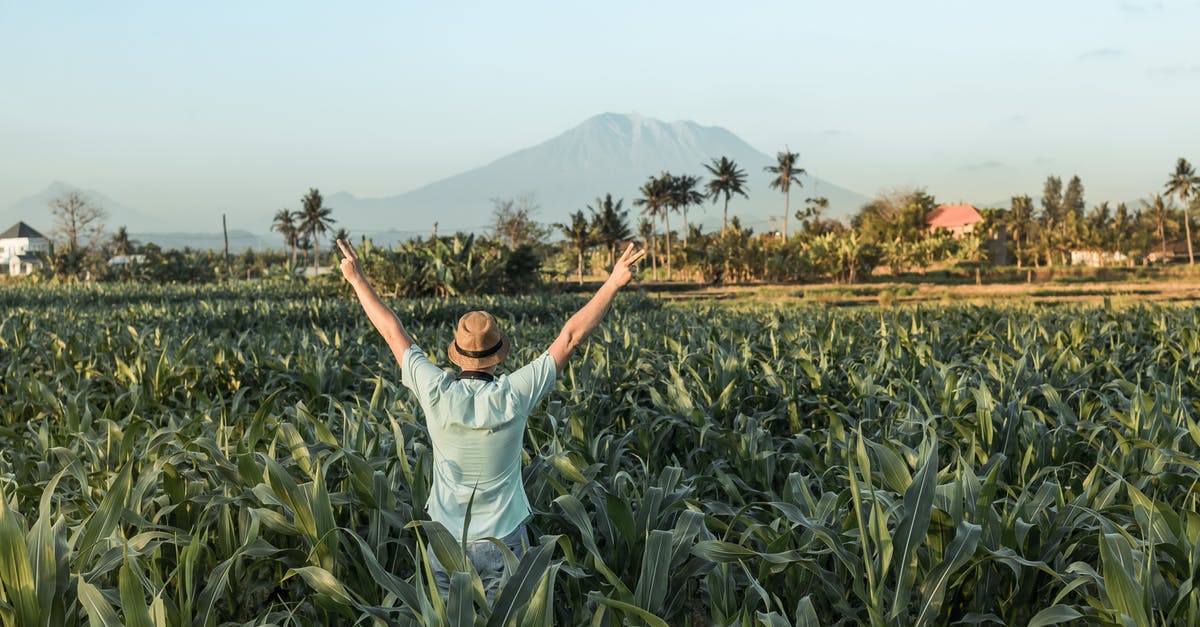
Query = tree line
x=890 y=232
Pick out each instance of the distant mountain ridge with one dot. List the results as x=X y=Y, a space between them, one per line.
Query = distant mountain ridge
x=608 y=153
x=35 y=210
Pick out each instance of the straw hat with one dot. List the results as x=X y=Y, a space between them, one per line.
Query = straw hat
x=478 y=343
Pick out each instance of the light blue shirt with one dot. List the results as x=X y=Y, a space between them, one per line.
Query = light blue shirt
x=477 y=428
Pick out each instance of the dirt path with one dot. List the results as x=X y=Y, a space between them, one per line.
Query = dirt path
x=1183 y=291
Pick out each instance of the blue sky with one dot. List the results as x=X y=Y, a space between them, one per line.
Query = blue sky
x=236 y=106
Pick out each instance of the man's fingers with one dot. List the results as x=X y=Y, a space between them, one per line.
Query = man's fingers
x=637 y=256
x=347 y=249
x=625 y=254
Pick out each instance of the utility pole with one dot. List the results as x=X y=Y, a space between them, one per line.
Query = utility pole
x=225 y=230
x=435 y=230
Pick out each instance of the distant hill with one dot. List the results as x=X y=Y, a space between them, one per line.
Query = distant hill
x=35 y=210
x=608 y=153
x=239 y=241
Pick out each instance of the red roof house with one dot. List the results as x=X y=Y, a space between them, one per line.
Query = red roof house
x=958 y=219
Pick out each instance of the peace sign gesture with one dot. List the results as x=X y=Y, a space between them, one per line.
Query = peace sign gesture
x=626 y=266
x=351 y=266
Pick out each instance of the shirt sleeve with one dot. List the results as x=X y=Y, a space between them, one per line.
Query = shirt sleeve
x=535 y=379
x=419 y=374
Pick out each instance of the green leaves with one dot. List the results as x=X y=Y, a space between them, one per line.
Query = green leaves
x=910 y=533
x=919 y=465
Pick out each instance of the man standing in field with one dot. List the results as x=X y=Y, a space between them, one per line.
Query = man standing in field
x=476 y=418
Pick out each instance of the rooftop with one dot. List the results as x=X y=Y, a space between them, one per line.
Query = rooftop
x=21 y=229
x=950 y=216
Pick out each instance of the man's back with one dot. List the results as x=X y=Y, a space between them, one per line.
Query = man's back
x=476 y=428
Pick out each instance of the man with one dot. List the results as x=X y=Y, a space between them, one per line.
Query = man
x=476 y=418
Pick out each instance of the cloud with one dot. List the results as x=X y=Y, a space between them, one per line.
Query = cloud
x=1101 y=54
x=1175 y=70
x=983 y=166
x=1142 y=8
x=832 y=132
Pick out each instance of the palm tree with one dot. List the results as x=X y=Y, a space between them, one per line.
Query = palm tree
x=1158 y=212
x=341 y=234
x=786 y=173
x=285 y=224
x=122 y=245
x=683 y=195
x=1186 y=185
x=609 y=222
x=656 y=203
x=579 y=234
x=646 y=230
x=1020 y=218
x=727 y=180
x=315 y=221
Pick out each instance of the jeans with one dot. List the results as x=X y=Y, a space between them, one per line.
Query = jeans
x=488 y=562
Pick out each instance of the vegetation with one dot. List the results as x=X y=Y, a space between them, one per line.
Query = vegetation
x=696 y=465
x=610 y=224
x=315 y=221
x=1184 y=183
x=727 y=179
x=889 y=234
x=786 y=173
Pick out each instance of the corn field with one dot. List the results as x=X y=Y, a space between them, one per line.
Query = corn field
x=242 y=456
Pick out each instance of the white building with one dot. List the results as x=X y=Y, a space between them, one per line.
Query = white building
x=19 y=248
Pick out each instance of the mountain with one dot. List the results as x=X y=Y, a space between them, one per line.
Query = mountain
x=35 y=210
x=608 y=153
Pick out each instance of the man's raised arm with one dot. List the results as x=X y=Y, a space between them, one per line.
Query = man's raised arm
x=381 y=316
x=581 y=325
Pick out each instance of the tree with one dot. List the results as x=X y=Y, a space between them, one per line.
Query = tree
x=1020 y=222
x=1184 y=183
x=810 y=216
x=683 y=195
x=285 y=224
x=77 y=221
x=121 y=244
x=655 y=203
x=646 y=231
x=315 y=221
x=1157 y=209
x=899 y=213
x=1052 y=217
x=727 y=180
x=1118 y=235
x=610 y=224
x=786 y=173
x=513 y=223
x=341 y=234
x=1074 y=209
x=579 y=236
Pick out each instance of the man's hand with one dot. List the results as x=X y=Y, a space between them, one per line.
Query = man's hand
x=626 y=266
x=381 y=316
x=351 y=266
x=581 y=325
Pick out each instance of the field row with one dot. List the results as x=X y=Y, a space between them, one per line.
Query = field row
x=199 y=456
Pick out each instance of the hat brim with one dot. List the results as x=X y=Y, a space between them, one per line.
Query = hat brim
x=472 y=363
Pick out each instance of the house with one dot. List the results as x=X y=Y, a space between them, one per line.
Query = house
x=959 y=220
x=1097 y=258
x=19 y=249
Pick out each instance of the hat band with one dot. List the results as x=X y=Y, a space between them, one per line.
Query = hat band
x=479 y=354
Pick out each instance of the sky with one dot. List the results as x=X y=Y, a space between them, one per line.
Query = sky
x=211 y=107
